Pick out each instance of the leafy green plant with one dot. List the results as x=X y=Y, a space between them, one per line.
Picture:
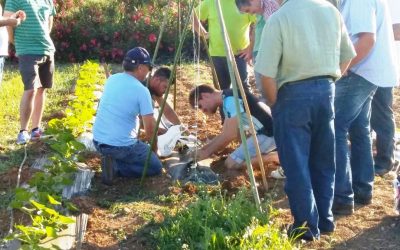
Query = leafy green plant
x=264 y=237
x=46 y=221
x=42 y=200
x=213 y=222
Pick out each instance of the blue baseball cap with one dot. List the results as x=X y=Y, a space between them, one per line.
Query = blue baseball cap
x=138 y=55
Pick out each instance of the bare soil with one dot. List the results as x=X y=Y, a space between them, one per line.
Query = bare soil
x=122 y=216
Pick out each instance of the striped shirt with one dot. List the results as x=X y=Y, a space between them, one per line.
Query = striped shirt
x=32 y=37
x=269 y=7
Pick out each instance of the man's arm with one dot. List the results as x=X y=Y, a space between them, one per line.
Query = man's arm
x=247 y=53
x=396 y=31
x=10 y=30
x=50 y=23
x=149 y=125
x=198 y=27
x=270 y=88
x=363 y=46
x=169 y=113
x=229 y=133
x=344 y=66
x=14 y=19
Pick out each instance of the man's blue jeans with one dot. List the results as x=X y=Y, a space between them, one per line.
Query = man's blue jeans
x=130 y=160
x=222 y=70
x=382 y=122
x=304 y=134
x=354 y=170
x=224 y=79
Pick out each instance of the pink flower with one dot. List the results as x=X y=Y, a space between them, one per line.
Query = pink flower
x=114 y=53
x=135 y=18
x=170 y=49
x=136 y=36
x=64 y=44
x=120 y=52
x=83 y=47
x=93 y=42
x=71 y=57
x=152 y=38
x=147 y=20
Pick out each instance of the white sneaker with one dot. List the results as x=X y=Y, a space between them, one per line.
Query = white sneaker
x=23 y=137
x=278 y=173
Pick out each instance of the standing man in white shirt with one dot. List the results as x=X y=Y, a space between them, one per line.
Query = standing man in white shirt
x=13 y=21
x=370 y=29
x=382 y=117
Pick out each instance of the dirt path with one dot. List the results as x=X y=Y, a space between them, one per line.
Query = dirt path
x=122 y=216
x=375 y=226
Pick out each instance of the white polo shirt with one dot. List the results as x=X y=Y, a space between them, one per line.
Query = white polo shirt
x=394 y=7
x=3 y=41
x=372 y=16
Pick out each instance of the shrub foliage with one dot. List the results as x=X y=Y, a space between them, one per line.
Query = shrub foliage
x=105 y=29
x=218 y=222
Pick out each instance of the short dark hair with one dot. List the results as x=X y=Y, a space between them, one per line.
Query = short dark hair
x=130 y=67
x=162 y=72
x=242 y=3
x=195 y=94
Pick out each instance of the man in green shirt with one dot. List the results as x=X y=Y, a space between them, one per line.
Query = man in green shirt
x=238 y=27
x=305 y=50
x=35 y=51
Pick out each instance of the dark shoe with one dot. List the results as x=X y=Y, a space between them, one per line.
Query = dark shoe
x=342 y=209
x=381 y=171
x=362 y=200
x=327 y=231
x=107 y=170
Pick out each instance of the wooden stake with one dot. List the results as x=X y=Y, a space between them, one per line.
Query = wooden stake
x=173 y=73
x=232 y=64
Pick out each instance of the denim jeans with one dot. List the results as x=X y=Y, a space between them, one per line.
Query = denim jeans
x=305 y=138
x=382 y=122
x=130 y=160
x=222 y=70
x=224 y=79
x=354 y=169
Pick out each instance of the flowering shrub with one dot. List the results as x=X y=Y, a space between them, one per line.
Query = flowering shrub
x=106 y=29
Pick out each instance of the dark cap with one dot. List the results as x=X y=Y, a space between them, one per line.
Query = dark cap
x=138 y=55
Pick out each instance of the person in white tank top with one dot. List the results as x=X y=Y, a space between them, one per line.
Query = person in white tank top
x=13 y=21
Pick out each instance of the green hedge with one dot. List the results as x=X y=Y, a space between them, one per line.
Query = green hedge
x=105 y=29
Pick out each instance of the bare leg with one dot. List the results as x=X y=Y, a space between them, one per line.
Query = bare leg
x=38 y=108
x=26 y=107
x=270 y=160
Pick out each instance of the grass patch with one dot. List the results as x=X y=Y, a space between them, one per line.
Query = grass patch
x=215 y=222
x=11 y=90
